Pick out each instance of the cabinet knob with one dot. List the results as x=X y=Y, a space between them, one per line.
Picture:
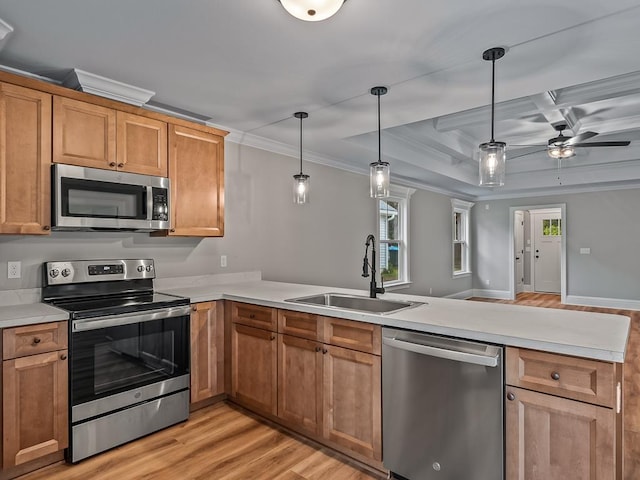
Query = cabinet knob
x=318 y=349
x=252 y=315
x=120 y=165
x=555 y=375
x=112 y=164
x=194 y=308
x=511 y=396
x=46 y=227
x=63 y=356
x=273 y=337
x=324 y=351
x=172 y=230
x=36 y=340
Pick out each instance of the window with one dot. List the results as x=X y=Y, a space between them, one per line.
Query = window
x=461 y=248
x=393 y=235
x=551 y=227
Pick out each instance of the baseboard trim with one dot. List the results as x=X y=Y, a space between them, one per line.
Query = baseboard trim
x=528 y=288
x=499 y=294
x=619 y=303
x=461 y=295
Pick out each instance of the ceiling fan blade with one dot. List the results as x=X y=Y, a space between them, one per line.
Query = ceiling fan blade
x=603 y=144
x=580 y=138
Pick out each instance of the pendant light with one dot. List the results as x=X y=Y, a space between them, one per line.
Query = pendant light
x=300 y=180
x=492 y=153
x=379 y=172
x=312 y=10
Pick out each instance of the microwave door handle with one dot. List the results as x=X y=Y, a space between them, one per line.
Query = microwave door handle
x=149 y=202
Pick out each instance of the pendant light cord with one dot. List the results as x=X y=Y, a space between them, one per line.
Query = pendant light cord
x=301 y=145
x=493 y=94
x=379 y=143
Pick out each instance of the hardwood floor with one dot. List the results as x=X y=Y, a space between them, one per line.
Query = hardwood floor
x=631 y=371
x=218 y=442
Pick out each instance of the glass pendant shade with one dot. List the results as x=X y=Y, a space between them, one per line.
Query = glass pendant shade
x=561 y=151
x=379 y=177
x=492 y=164
x=301 y=188
x=312 y=10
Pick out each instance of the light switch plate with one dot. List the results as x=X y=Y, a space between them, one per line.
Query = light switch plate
x=223 y=261
x=585 y=251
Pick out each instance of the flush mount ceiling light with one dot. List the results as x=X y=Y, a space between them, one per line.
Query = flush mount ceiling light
x=300 y=180
x=312 y=10
x=379 y=172
x=492 y=153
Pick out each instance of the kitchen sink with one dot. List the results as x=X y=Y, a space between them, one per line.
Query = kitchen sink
x=355 y=302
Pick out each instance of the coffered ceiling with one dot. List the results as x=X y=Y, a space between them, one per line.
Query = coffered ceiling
x=247 y=66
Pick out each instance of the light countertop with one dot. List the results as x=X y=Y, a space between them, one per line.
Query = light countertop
x=584 y=334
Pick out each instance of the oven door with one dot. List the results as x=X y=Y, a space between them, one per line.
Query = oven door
x=120 y=360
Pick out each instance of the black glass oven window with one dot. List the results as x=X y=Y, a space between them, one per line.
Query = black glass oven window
x=115 y=359
x=89 y=198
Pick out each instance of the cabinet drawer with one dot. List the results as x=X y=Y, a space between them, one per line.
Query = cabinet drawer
x=298 y=324
x=254 y=316
x=354 y=335
x=32 y=339
x=581 y=379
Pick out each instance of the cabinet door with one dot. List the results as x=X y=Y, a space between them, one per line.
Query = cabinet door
x=25 y=160
x=254 y=368
x=34 y=407
x=300 y=382
x=550 y=437
x=196 y=171
x=207 y=351
x=141 y=145
x=83 y=134
x=352 y=400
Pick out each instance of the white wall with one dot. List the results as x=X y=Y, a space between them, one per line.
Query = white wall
x=319 y=243
x=606 y=222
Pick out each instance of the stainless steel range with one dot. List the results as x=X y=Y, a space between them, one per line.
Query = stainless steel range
x=129 y=351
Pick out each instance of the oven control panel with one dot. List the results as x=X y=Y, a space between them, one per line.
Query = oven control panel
x=81 y=271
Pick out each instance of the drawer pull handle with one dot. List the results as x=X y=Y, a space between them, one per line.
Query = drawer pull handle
x=511 y=396
x=63 y=357
x=36 y=340
x=555 y=375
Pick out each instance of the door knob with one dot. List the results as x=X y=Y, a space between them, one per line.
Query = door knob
x=537 y=256
x=517 y=258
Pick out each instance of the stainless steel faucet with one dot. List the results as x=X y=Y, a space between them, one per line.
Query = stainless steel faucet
x=373 y=288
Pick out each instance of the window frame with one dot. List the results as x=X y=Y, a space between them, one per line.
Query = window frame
x=402 y=195
x=463 y=208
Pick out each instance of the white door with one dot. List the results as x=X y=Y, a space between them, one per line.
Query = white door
x=518 y=235
x=547 y=237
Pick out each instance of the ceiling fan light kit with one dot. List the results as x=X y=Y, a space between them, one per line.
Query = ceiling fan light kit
x=301 y=182
x=379 y=172
x=312 y=10
x=492 y=157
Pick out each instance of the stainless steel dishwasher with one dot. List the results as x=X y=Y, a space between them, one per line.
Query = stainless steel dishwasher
x=442 y=404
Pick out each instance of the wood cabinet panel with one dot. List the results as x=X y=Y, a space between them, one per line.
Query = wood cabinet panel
x=581 y=379
x=299 y=324
x=207 y=351
x=83 y=134
x=25 y=160
x=196 y=171
x=549 y=437
x=35 y=406
x=360 y=336
x=141 y=145
x=352 y=400
x=300 y=382
x=254 y=368
x=255 y=316
x=34 y=339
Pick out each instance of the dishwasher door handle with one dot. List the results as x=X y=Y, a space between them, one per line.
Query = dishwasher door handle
x=456 y=355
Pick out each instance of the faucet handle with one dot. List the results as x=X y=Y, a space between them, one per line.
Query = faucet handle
x=381 y=289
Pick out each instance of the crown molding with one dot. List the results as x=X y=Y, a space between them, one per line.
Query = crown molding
x=105 y=87
x=5 y=29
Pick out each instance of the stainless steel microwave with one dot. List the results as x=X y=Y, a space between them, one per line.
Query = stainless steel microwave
x=93 y=199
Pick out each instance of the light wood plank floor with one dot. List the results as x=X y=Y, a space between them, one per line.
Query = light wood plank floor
x=631 y=371
x=218 y=442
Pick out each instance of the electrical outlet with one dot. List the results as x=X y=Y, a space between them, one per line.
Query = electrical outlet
x=223 y=261
x=430 y=290
x=14 y=269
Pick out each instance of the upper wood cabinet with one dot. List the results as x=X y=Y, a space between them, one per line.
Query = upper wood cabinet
x=83 y=134
x=141 y=145
x=196 y=171
x=207 y=350
x=25 y=160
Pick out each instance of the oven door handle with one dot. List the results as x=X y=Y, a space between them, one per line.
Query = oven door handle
x=95 y=323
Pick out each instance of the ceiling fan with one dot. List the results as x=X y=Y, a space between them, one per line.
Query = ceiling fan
x=563 y=146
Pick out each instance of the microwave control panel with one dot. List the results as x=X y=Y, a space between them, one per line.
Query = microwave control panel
x=160 y=204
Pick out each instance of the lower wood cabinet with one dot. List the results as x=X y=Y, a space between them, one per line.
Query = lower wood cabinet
x=254 y=368
x=34 y=393
x=207 y=350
